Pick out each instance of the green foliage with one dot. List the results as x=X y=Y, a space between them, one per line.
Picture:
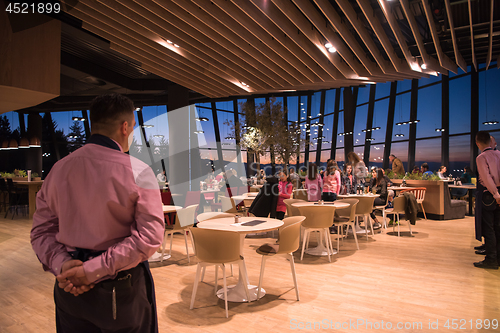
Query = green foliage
x=22 y=173
x=34 y=175
x=7 y=175
x=390 y=174
x=302 y=173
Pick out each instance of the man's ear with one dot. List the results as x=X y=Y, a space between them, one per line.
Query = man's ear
x=124 y=128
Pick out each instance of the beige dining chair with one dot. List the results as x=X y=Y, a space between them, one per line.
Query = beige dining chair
x=399 y=206
x=346 y=217
x=300 y=194
x=291 y=210
x=382 y=208
x=217 y=247
x=288 y=242
x=364 y=208
x=183 y=220
x=210 y=216
x=320 y=219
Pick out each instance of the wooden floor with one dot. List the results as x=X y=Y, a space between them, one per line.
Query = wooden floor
x=428 y=277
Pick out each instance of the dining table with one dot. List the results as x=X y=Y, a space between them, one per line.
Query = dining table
x=321 y=249
x=247 y=225
x=33 y=187
x=156 y=257
x=470 y=190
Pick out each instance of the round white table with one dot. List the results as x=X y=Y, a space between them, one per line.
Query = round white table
x=236 y=293
x=358 y=229
x=321 y=249
x=245 y=198
x=156 y=257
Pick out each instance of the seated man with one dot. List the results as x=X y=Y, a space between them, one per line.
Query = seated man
x=425 y=170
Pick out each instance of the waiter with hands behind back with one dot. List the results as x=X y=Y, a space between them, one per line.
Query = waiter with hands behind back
x=96 y=231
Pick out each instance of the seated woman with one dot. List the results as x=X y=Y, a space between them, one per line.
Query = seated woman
x=442 y=172
x=380 y=187
x=466 y=177
x=313 y=183
x=285 y=188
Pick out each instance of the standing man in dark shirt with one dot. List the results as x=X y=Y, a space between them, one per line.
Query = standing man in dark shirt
x=488 y=166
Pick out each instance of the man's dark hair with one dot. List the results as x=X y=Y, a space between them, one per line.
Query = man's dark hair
x=106 y=109
x=425 y=166
x=393 y=155
x=483 y=137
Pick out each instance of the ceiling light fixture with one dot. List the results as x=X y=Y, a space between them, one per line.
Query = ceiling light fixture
x=199 y=132
x=494 y=122
x=148 y=126
x=400 y=135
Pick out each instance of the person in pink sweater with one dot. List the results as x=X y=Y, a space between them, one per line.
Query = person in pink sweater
x=331 y=182
x=313 y=183
x=285 y=192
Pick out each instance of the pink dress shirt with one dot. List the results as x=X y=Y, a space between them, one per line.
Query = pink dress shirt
x=314 y=188
x=101 y=199
x=331 y=183
x=488 y=166
x=285 y=192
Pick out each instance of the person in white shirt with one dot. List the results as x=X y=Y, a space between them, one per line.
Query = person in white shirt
x=161 y=176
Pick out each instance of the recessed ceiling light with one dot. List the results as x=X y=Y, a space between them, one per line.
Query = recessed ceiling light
x=424 y=66
x=176 y=45
x=328 y=45
x=169 y=41
x=332 y=50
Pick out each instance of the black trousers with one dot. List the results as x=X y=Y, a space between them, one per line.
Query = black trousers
x=280 y=215
x=93 y=311
x=328 y=196
x=377 y=202
x=491 y=232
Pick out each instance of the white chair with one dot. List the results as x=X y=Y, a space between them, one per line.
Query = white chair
x=419 y=193
x=399 y=205
x=228 y=205
x=183 y=220
x=288 y=243
x=216 y=247
x=382 y=208
x=346 y=217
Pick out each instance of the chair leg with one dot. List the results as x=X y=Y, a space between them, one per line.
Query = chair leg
x=384 y=217
x=225 y=289
x=171 y=239
x=243 y=270
x=192 y=242
x=367 y=221
x=195 y=287
x=409 y=224
x=216 y=278
x=340 y=226
x=354 y=233
x=327 y=240
x=262 y=266
x=187 y=250
x=304 y=240
x=423 y=210
x=398 y=226
x=203 y=273
x=163 y=245
x=292 y=266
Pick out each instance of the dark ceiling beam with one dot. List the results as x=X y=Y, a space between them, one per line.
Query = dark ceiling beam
x=490 y=39
x=458 y=56
x=108 y=75
x=474 y=61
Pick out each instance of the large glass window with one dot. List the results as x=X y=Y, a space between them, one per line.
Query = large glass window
x=376 y=155
x=293 y=108
x=360 y=124
x=431 y=79
x=380 y=112
x=459 y=154
x=330 y=101
x=340 y=138
x=401 y=115
x=226 y=136
x=489 y=99
x=225 y=106
x=382 y=90
x=404 y=85
x=207 y=139
x=428 y=111
x=315 y=104
x=363 y=95
x=460 y=105
x=428 y=151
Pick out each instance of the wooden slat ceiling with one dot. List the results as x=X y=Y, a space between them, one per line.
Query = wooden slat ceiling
x=223 y=48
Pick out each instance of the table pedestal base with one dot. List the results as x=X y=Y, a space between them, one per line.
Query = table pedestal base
x=320 y=250
x=156 y=257
x=236 y=293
